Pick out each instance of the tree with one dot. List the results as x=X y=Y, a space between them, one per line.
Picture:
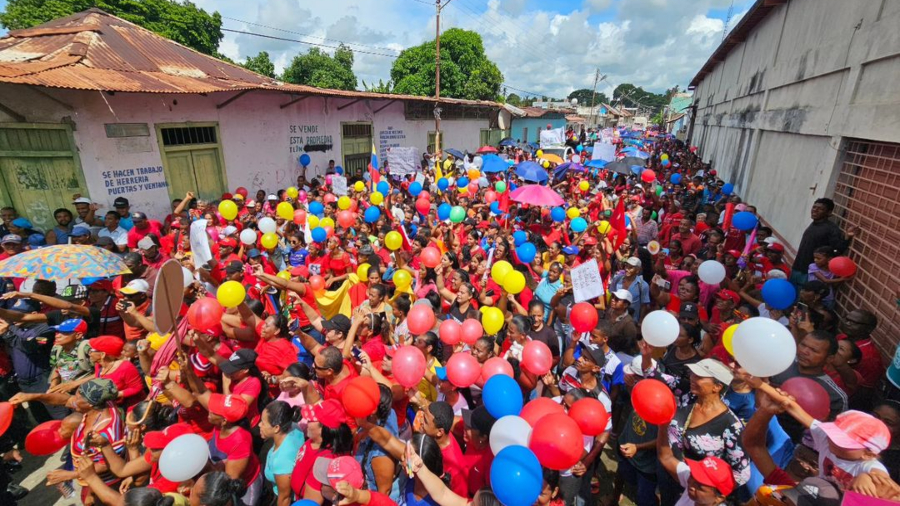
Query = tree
x=514 y=100
x=466 y=72
x=184 y=23
x=318 y=68
x=584 y=97
x=381 y=87
x=261 y=64
x=635 y=96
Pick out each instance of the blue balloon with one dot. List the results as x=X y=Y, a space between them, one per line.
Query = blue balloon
x=744 y=221
x=305 y=502
x=444 y=211
x=462 y=182
x=520 y=237
x=578 y=225
x=443 y=184
x=637 y=169
x=558 y=214
x=316 y=208
x=372 y=214
x=512 y=187
x=495 y=208
x=727 y=189
x=516 y=476
x=305 y=159
x=526 y=252
x=383 y=188
x=339 y=170
x=579 y=148
x=779 y=293
x=676 y=178
x=319 y=235
x=415 y=188
x=666 y=163
x=502 y=396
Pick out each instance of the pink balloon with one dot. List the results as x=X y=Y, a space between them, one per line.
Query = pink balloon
x=537 y=358
x=450 y=332
x=420 y=320
x=473 y=188
x=425 y=195
x=329 y=198
x=431 y=257
x=423 y=206
x=810 y=395
x=490 y=196
x=328 y=179
x=539 y=408
x=463 y=370
x=302 y=196
x=346 y=219
x=495 y=366
x=408 y=365
x=471 y=330
x=299 y=216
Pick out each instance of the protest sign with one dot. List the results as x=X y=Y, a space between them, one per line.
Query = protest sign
x=604 y=151
x=586 y=281
x=200 y=243
x=554 y=137
x=339 y=185
x=403 y=161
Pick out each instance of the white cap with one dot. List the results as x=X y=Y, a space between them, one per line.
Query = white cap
x=229 y=230
x=770 y=240
x=712 y=368
x=623 y=294
x=146 y=243
x=136 y=286
x=776 y=274
x=271 y=197
x=635 y=366
x=633 y=261
x=82 y=200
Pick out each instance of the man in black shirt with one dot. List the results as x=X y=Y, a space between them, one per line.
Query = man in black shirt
x=821 y=232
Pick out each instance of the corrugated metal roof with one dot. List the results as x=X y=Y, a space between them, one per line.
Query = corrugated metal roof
x=94 y=50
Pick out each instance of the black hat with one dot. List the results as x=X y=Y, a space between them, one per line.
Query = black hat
x=340 y=323
x=689 y=310
x=120 y=202
x=234 y=267
x=479 y=419
x=240 y=360
x=595 y=353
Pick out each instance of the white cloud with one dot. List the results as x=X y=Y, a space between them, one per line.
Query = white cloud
x=597 y=5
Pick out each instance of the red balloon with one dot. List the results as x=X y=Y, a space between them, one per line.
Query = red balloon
x=423 y=206
x=425 y=195
x=420 y=320
x=242 y=191
x=490 y=196
x=653 y=401
x=299 y=216
x=361 y=397
x=583 y=317
x=317 y=283
x=6 y=416
x=463 y=370
x=301 y=271
x=346 y=219
x=470 y=331
x=329 y=198
x=450 y=332
x=45 y=439
x=495 y=366
x=473 y=188
x=842 y=267
x=536 y=358
x=648 y=176
x=590 y=415
x=408 y=365
x=810 y=395
x=539 y=408
x=557 y=442
x=205 y=313
x=329 y=231
x=431 y=257
x=354 y=206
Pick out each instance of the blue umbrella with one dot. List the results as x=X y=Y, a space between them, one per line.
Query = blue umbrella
x=530 y=171
x=507 y=142
x=576 y=167
x=455 y=152
x=599 y=164
x=492 y=164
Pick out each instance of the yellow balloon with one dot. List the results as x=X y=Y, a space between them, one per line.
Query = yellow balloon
x=326 y=222
x=359 y=186
x=363 y=272
x=228 y=209
x=292 y=192
x=474 y=174
x=344 y=203
x=728 y=339
x=285 y=211
x=604 y=227
x=269 y=241
x=231 y=294
x=377 y=198
x=402 y=279
x=514 y=282
x=546 y=164
x=393 y=240
x=584 y=185
x=573 y=213
x=664 y=156
x=313 y=221
x=499 y=271
x=539 y=153
x=492 y=320
x=285 y=275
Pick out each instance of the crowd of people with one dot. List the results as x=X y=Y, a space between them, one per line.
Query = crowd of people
x=401 y=344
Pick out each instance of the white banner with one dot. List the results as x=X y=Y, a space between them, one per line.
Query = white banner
x=555 y=137
x=586 y=281
x=200 y=243
x=338 y=185
x=604 y=151
x=403 y=161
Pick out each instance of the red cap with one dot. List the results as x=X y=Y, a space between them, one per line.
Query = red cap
x=332 y=471
x=228 y=241
x=230 y=407
x=175 y=224
x=733 y=252
x=329 y=413
x=227 y=196
x=101 y=284
x=713 y=172
x=855 y=430
x=111 y=345
x=390 y=350
x=729 y=295
x=158 y=439
x=776 y=247
x=301 y=271
x=713 y=472
x=375 y=349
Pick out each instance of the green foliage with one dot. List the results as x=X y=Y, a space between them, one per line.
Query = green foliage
x=182 y=22
x=466 y=72
x=261 y=64
x=319 y=69
x=584 y=97
x=514 y=100
x=381 y=87
x=635 y=96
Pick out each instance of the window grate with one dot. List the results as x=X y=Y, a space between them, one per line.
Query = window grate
x=357 y=130
x=185 y=136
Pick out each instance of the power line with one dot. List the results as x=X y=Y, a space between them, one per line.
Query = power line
x=308 y=35
x=242 y=32
x=482 y=20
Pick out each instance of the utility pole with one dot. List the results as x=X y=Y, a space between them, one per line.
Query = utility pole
x=437 y=80
x=597 y=80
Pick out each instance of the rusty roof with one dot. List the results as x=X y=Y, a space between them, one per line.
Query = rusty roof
x=540 y=112
x=94 y=50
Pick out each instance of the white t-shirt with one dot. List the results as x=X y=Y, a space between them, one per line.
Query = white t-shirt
x=460 y=404
x=684 y=474
x=119 y=236
x=836 y=469
x=766 y=313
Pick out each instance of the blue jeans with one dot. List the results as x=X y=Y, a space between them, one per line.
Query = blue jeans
x=646 y=483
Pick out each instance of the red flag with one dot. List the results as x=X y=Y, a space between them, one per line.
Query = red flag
x=504 y=201
x=407 y=244
x=617 y=222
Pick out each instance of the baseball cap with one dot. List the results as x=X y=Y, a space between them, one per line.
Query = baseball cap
x=11 y=238
x=813 y=491
x=254 y=253
x=571 y=250
x=633 y=261
x=22 y=223
x=82 y=200
x=623 y=294
x=158 y=439
x=230 y=407
x=712 y=368
x=105 y=241
x=689 y=310
x=229 y=230
x=120 y=202
x=228 y=242
x=729 y=295
x=339 y=322
x=329 y=413
x=101 y=285
x=71 y=325
x=713 y=472
x=234 y=267
x=776 y=274
x=855 y=430
x=595 y=353
x=390 y=350
x=331 y=471
x=733 y=252
x=240 y=360
x=136 y=286
x=300 y=271
x=26 y=306
x=635 y=367
x=111 y=345
x=478 y=419
x=237 y=196
x=138 y=216
x=271 y=197
x=775 y=247
x=146 y=243
x=80 y=232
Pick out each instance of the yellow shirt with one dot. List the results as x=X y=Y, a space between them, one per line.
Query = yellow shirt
x=426 y=387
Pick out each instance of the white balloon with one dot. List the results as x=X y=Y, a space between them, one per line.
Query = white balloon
x=660 y=328
x=267 y=225
x=248 y=236
x=184 y=457
x=478 y=161
x=711 y=272
x=576 y=158
x=508 y=431
x=763 y=347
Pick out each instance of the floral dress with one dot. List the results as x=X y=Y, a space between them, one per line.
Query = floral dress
x=719 y=437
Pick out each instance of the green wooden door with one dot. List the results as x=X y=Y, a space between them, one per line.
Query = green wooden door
x=40 y=170
x=356 y=147
x=207 y=172
x=192 y=159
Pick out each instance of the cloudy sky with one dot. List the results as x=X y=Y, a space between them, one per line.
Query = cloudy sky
x=541 y=46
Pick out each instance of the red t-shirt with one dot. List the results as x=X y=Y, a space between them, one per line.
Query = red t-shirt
x=237 y=446
x=456 y=466
x=157 y=480
x=252 y=387
x=870 y=366
x=136 y=234
x=478 y=467
x=302 y=473
x=198 y=418
x=274 y=356
x=339 y=265
x=128 y=381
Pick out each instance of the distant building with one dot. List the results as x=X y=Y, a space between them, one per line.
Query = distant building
x=527 y=127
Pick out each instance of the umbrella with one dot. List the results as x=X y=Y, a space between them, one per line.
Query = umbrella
x=619 y=167
x=576 y=167
x=455 y=152
x=530 y=171
x=596 y=163
x=552 y=158
x=486 y=149
x=507 y=142
x=536 y=195
x=633 y=160
x=63 y=261
x=491 y=164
